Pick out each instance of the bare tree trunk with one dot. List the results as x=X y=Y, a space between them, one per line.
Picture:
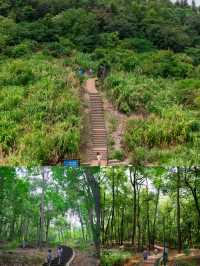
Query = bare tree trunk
x=155 y=217
x=148 y=221
x=122 y=227
x=178 y=180
x=138 y=221
x=134 y=184
x=41 y=224
x=113 y=205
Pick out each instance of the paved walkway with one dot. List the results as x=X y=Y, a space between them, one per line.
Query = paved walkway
x=97 y=125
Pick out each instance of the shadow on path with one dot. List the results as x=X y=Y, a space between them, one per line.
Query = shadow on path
x=66 y=256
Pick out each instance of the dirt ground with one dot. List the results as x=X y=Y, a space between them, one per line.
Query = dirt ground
x=33 y=257
x=84 y=259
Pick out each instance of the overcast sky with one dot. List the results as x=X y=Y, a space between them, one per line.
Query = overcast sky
x=190 y=1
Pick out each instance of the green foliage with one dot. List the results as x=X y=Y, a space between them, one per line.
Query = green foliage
x=56 y=49
x=172 y=128
x=137 y=44
x=118 y=155
x=194 y=53
x=40 y=120
x=78 y=25
x=23 y=49
x=167 y=64
x=186 y=249
x=114 y=258
x=108 y=40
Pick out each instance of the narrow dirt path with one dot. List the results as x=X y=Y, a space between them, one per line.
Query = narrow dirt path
x=83 y=259
x=97 y=129
x=149 y=262
x=66 y=256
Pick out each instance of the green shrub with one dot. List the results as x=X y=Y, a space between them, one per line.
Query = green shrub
x=40 y=108
x=137 y=93
x=56 y=49
x=172 y=128
x=23 y=49
x=118 y=155
x=166 y=64
x=114 y=258
x=137 y=44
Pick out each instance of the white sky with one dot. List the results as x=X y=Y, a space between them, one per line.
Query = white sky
x=190 y=1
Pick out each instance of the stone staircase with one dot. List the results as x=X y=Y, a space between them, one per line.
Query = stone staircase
x=98 y=129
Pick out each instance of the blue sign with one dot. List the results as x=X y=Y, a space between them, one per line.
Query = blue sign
x=71 y=163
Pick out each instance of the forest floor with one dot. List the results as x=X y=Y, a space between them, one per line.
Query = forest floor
x=84 y=259
x=33 y=256
x=30 y=256
x=193 y=257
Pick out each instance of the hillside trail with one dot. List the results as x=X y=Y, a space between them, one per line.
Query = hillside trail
x=97 y=136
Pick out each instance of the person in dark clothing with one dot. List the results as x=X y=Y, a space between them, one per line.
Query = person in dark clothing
x=49 y=257
x=59 y=254
x=145 y=254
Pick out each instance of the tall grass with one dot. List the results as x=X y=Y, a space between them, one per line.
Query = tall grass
x=40 y=111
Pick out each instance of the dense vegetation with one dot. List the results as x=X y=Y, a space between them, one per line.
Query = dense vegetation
x=152 y=49
x=46 y=206
x=142 y=207
x=40 y=121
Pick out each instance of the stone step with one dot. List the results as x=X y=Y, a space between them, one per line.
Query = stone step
x=94 y=154
x=97 y=114
x=97 y=141
x=100 y=140
x=96 y=102
x=97 y=122
x=96 y=108
x=98 y=129
x=100 y=135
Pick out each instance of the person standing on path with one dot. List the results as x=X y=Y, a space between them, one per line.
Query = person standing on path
x=145 y=254
x=99 y=157
x=59 y=254
x=49 y=257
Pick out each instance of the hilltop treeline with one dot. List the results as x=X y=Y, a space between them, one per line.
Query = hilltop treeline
x=89 y=24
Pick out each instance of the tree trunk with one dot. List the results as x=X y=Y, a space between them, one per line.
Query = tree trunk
x=138 y=221
x=113 y=205
x=41 y=224
x=178 y=181
x=155 y=217
x=148 y=221
x=134 y=183
x=122 y=227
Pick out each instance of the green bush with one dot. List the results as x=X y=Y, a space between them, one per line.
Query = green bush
x=40 y=108
x=114 y=258
x=172 y=128
x=166 y=64
x=23 y=49
x=56 y=49
x=137 y=44
x=137 y=93
x=118 y=155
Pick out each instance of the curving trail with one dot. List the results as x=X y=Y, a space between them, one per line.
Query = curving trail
x=149 y=262
x=67 y=255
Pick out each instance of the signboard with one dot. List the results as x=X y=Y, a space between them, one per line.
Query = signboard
x=72 y=163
